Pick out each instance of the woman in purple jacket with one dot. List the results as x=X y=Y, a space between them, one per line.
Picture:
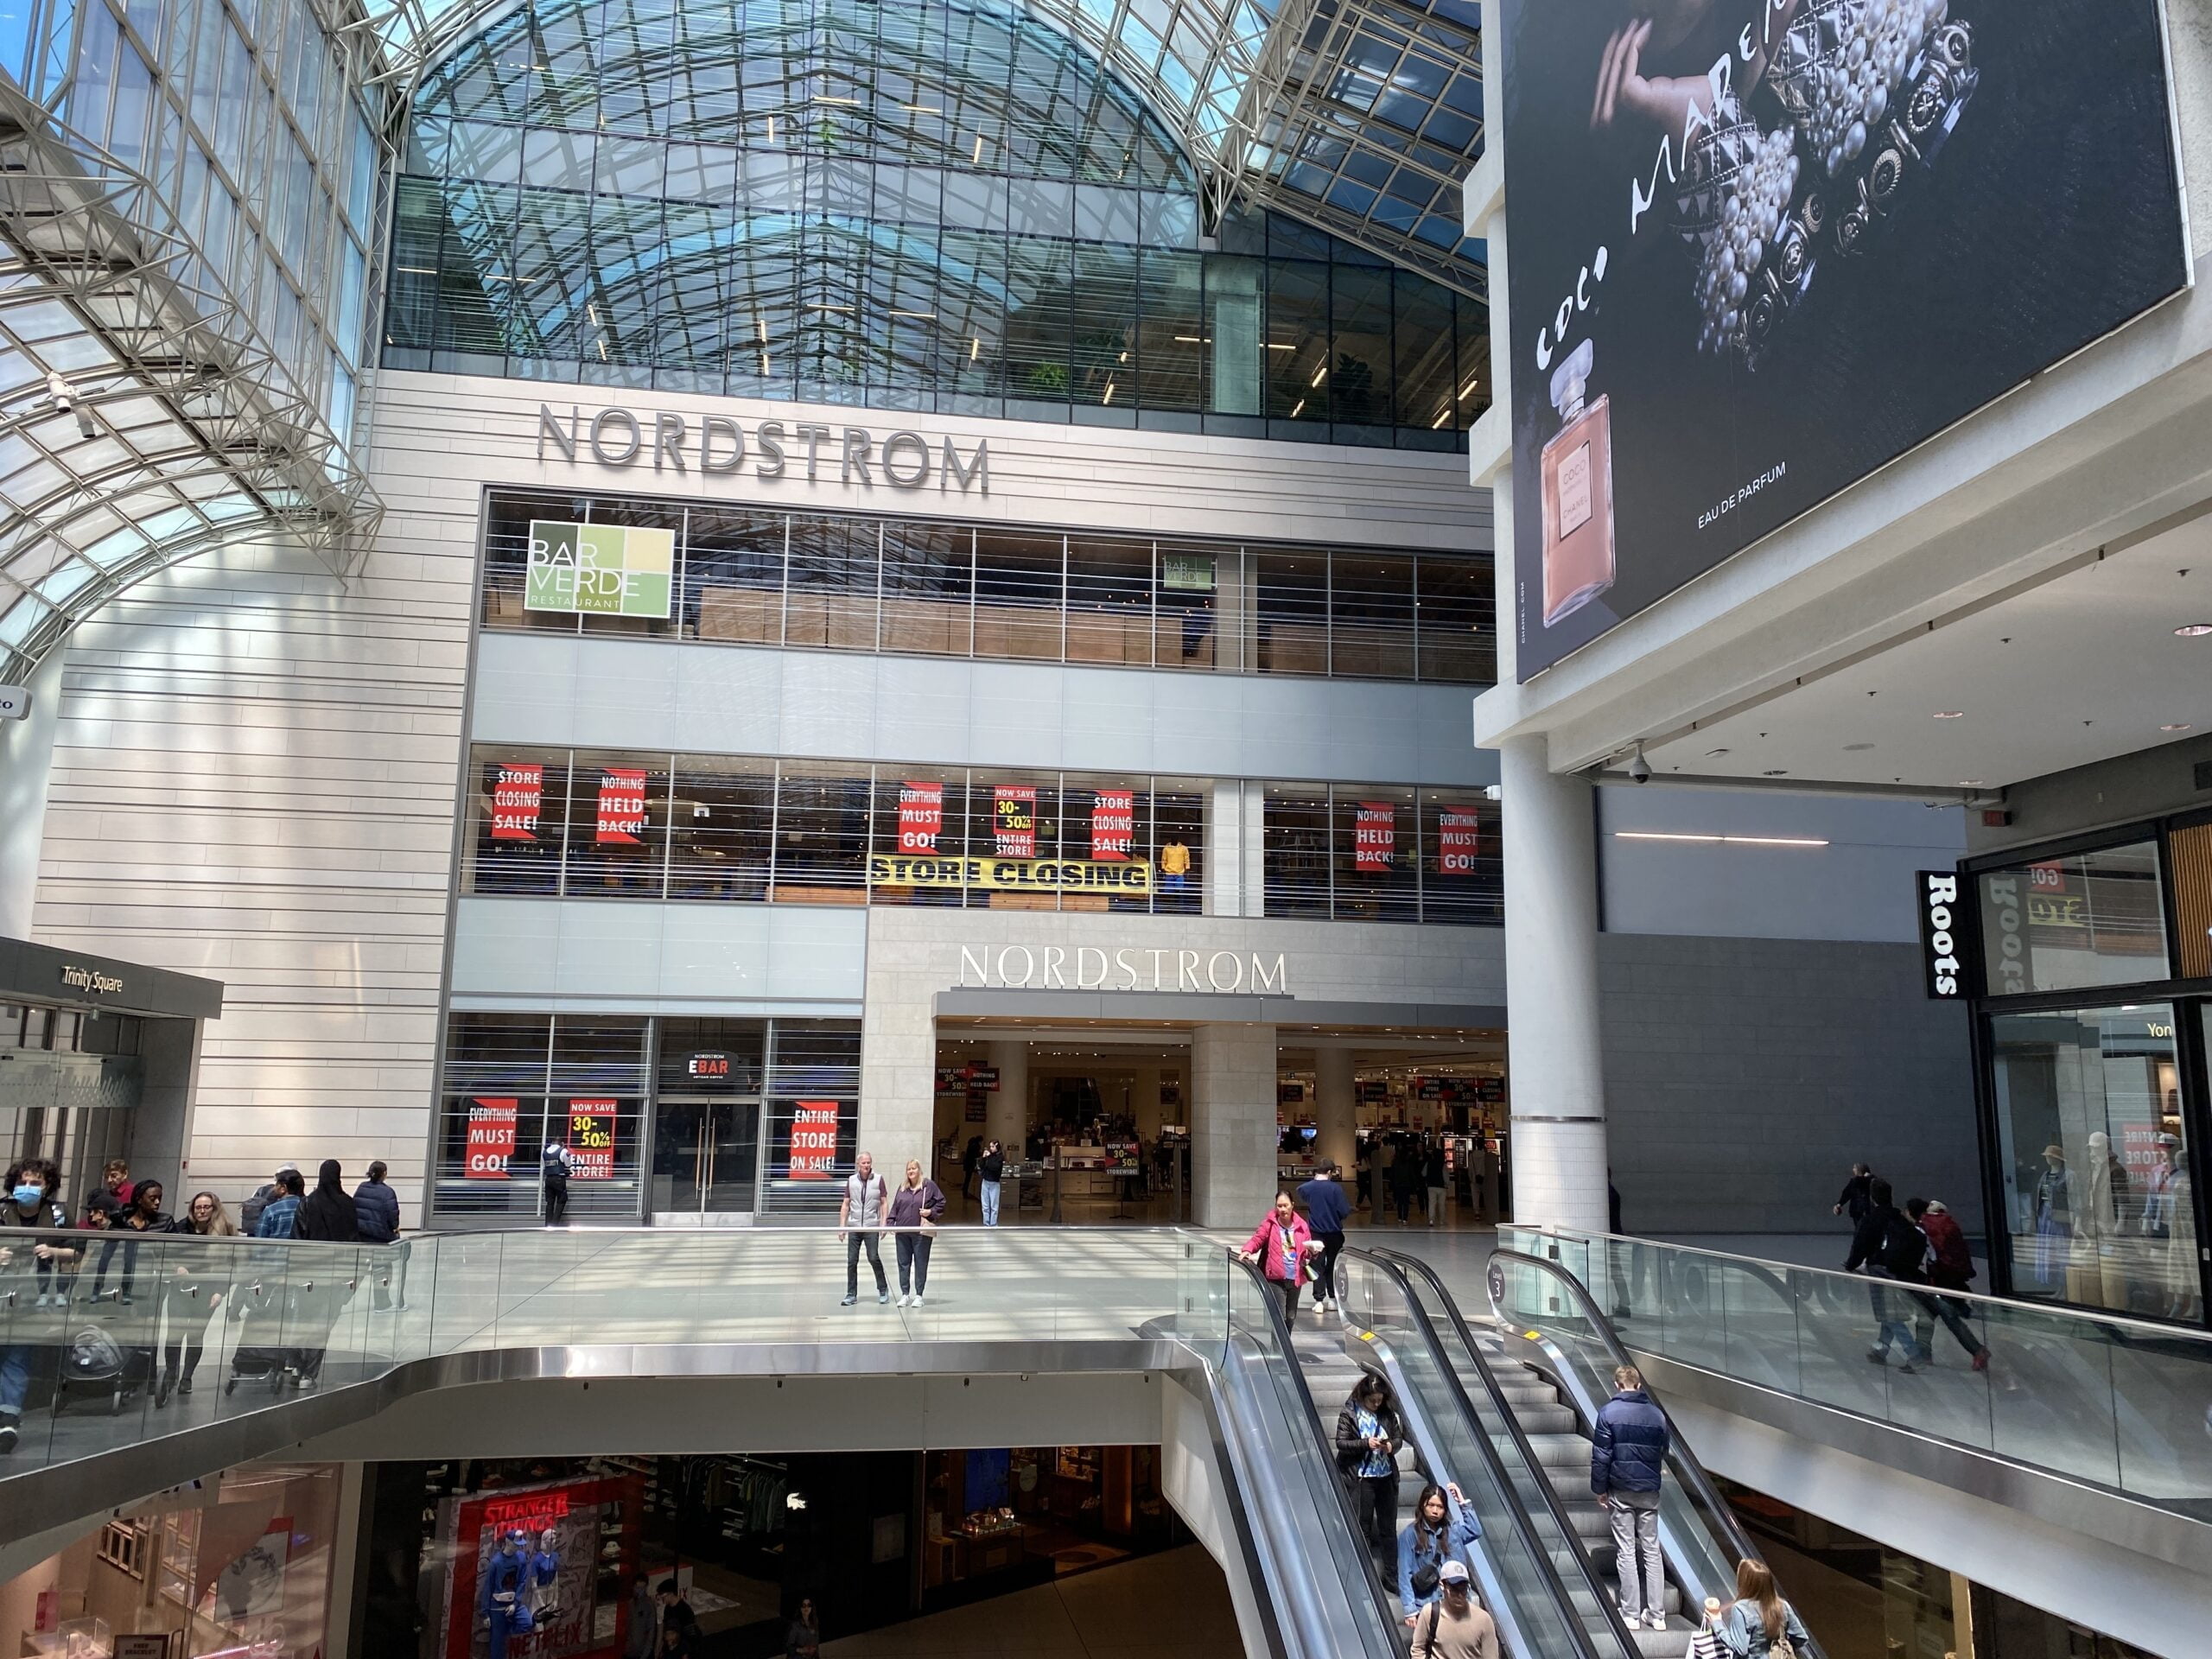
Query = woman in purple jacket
x=915 y=1209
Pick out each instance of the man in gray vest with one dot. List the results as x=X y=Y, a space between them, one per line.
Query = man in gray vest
x=859 y=1222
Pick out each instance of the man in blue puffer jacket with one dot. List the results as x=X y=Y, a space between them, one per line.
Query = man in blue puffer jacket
x=1627 y=1459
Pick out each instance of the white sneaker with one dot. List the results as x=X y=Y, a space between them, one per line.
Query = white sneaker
x=902 y=1299
x=918 y=1299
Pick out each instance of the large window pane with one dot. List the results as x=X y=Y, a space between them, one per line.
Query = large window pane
x=814 y=1072
x=2189 y=853
x=643 y=516
x=1107 y=828
x=1018 y=594
x=1192 y=584
x=822 y=824
x=2084 y=919
x=491 y=1114
x=518 y=805
x=1358 y=382
x=1233 y=342
x=1371 y=615
x=1171 y=346
x=1291 y=595
x=617 y=825
x=928 y=573
x=506 y=560
x=734 y=576
x=1455 y=615
x=719 y=815
x=1178 y=851
x=1298 y=340
x=1014 y=820
x=597 y=1105
x=921 y=837
x=1109 y=600
x=1463 y=872
x=2095 y=1158
x=833 y=583
x=1377 y=854
x=1295 y=848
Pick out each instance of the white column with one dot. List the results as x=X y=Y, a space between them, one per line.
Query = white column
x=1225 y=868
x=1232 y=1124
x=1335 y=1112
x=1006 y=1118
x=1551 y=992
x=26 y=761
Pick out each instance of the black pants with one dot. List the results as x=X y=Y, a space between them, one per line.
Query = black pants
x=189 y=1347
x=1952 y=1310
x=1375 y=1499
x=913 y=1262
x=1287 y=1289
x=854 y=1241
x=130 y=1248
x=556 y=1199
x=1332 y=1246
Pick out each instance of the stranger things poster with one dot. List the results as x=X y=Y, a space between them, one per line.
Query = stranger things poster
x=1760 y=248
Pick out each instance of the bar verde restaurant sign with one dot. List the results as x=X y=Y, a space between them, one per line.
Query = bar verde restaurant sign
x=608 y=570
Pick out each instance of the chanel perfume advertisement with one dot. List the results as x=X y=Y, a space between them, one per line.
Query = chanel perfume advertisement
x=1762 y=248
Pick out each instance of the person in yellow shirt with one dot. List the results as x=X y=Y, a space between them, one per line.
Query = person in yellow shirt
x=1174 y=865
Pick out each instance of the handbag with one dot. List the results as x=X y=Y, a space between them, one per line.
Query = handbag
x=1425 y=1579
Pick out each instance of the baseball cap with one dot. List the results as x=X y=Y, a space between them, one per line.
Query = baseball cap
x=1453 y=1572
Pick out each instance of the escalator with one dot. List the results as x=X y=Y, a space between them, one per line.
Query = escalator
x=1275 y=1391
x=1540 y=1395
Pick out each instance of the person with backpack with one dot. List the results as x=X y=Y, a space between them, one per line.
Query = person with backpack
x=1628 y=1463
x=1950 y=1267
x=1455 y=1626
x=1888 y=1246
x=1761 y=1625
x=1442 y=1530
x=861 y=1215
x=273 y=1188
x=554 y=1170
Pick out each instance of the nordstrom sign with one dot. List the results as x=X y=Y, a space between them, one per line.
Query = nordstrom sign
x=1088 y=968
x=720 y=446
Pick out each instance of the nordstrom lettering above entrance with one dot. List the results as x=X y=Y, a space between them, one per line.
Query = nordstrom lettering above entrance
x=1088 y=967
x=717 y=446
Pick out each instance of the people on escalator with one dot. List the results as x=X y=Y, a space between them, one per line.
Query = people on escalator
x=1887 y=1246
x=1440 y=1531
x=1761 y=1625
x=1280 y=1246
x=1949 y=1267
x=1327 y=1210
x=1454 y=1627
x=1628 y=1464
x=1369 y=1435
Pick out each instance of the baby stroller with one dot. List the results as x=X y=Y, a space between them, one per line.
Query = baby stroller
x=95 y=1366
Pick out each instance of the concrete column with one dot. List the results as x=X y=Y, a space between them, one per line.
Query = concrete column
x=1223 y=874
x=1232 y=1124
x=1336 y=1112
x=26 y=762
x=1006 y=1113
x=1551 y=992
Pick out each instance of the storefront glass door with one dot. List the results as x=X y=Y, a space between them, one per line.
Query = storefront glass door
x=706 y=1152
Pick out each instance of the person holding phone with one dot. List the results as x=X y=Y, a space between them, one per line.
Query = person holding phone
x=1442 y=1528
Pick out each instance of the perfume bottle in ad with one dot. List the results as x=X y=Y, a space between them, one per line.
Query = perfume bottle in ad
x=1578 y=475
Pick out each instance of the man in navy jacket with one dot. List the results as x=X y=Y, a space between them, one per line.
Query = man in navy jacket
x=1628 y=1460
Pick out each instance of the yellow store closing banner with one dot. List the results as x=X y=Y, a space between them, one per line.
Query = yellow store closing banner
x=1015 y=874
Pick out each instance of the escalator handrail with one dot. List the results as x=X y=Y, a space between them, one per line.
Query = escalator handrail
x=1398 y=1263
x=1323 y=1438
x=1687 y=1469
x=1240 y=1508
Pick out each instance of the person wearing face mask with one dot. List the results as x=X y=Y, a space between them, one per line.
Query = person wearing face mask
x=197 y=1287
x=32 y=1202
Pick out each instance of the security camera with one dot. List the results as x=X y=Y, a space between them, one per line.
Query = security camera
x=1639 y=769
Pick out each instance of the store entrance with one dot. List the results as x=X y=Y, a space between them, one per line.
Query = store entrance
x=706 y=1156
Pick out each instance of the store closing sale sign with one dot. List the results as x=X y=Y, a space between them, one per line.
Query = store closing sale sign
x=1762 y=248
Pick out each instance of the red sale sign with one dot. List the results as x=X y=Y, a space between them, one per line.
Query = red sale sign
x=814 y=1140
x=1113 y=823
x=518 y=796
x=622 y=806
x=491 y=1139
x=1374 y=835
x=1015 y=821
x=1458 y=841
x=921 y=816
x=591 y=1137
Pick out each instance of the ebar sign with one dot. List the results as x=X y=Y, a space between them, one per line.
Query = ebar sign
x=1939 y=933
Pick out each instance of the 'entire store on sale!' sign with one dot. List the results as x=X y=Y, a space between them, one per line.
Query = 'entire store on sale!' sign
x=814 y=1140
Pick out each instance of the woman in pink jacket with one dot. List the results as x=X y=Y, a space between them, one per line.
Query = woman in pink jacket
x=1278 y=1248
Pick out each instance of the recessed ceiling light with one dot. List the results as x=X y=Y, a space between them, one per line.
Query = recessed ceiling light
x=2194 y=630
x=2179 y=726
x=1973 y=783
x=1950 y=714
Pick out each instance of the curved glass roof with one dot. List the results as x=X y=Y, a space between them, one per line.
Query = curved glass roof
x=1361 y=116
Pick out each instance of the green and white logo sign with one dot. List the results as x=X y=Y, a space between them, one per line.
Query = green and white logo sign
x=602 y=568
